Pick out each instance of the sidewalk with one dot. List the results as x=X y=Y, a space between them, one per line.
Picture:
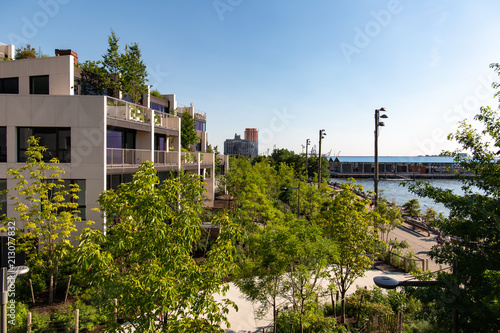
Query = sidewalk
x=419 y=243
x=245 y=321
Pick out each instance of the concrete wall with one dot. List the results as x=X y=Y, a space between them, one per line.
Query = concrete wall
x=60 y=70
x=85 y=115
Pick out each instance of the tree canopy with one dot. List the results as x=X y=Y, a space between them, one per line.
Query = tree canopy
x=473 y=289
x=145 y=259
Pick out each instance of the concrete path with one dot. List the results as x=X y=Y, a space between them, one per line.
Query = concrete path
x=418 y=241
x=245 y=319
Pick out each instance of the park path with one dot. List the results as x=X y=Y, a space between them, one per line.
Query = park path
x=418 y=242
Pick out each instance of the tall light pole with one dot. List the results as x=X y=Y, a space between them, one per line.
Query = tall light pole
x=321 y=136
x=377 y=124
x=308 y=142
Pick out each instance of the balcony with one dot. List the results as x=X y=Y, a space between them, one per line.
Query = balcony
x=123 y=110
x=134 y=157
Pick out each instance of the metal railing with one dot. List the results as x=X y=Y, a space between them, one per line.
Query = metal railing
x=119 y=109
x=124 y=157
x=121 y=157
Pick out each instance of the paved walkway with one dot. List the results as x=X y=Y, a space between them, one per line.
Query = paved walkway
x=418 y=241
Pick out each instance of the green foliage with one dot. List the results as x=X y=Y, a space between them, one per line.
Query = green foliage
x=188 y=130
x=346 y=220
x=289 y=321
x=412 y=207
x=145 y=260
x=28 y=52
x=125 y=72
x=390 y=218
x=47 y=212
x=474 y=223
x=156 y=93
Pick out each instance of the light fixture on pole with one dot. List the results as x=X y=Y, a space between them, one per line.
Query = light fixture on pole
x=321 y=137
x=377 y=124
x=298 y=196
x=8 y=278
x=308 y=142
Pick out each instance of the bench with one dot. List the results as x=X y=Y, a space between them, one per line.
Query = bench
x=415 y=225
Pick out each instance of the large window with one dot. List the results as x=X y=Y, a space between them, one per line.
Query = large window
x=81 y=201
x=57 y=140
x=9 y=85
x=3 y=144
x=120 y=138
x=39 y=85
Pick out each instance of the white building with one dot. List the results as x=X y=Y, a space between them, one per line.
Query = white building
x=99 y=140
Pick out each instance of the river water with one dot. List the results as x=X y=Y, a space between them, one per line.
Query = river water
x=393 y=191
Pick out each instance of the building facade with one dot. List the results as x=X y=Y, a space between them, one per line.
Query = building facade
x=99 y=140
x=238 y=146
x=252 y=135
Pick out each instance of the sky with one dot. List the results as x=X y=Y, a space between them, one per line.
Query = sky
x=291 y=68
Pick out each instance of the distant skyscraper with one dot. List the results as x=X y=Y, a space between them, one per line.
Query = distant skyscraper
x=252 y=135
x=237 y=146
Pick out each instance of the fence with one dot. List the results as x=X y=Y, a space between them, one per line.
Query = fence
x=407 y=262
x=383 y=324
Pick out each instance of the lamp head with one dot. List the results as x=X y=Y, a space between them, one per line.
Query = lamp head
x=384 y=116
x=381 y=123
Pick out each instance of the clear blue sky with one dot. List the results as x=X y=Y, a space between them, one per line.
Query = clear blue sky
x=291 y=68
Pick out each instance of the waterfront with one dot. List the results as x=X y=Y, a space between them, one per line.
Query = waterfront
x=393 y=191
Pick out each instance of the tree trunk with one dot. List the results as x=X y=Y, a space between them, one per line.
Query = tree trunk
x=51 y=289
x=342 y=314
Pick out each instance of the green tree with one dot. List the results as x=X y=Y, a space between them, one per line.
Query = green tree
x=346 y=220
x=28 y=52
x=284 y=266
x=123 y=72
x=47 y=210
x=390 y=218
x=412 y=207
x=188 y=130
x=473 y=289
x=145 y=259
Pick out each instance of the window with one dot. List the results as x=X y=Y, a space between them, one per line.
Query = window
x=120 y=138
x=9 y=85
x=68 y=183
x=56 y=140
x=113 y=181
x=160 y=142
x=3 y=144
x=39 y=85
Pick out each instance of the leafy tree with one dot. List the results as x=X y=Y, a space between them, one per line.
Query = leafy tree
x=47 y=210
x=92 y=78
x=134 y=74
x=28 y=52
x=346 y=220
x=412 y=207
x=473 y=289
x=286 y=262
x=145 y=258
x=188 y=130
x=390 y=218
x=125 y=72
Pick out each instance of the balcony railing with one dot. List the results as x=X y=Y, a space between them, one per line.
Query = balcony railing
x=121 y=157
x=119 y=109
x=132 y=157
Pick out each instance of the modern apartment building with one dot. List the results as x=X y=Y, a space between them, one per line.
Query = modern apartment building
x=99 y=140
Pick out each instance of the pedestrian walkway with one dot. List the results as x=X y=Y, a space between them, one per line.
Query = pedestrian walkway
x=245 y=320
x=419 y=243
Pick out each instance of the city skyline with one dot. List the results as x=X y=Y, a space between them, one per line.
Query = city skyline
x=290 y=69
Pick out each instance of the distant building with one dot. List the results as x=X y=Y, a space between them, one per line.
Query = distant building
x=252 y=135
x=238 y=146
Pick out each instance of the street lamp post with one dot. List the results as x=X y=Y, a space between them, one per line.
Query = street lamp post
x=308 y=142
x=377 y=124
x=8 y=279
x=321 y=137
x=298 y=196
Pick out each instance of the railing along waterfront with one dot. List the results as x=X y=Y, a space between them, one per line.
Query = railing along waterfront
x=119 y=109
